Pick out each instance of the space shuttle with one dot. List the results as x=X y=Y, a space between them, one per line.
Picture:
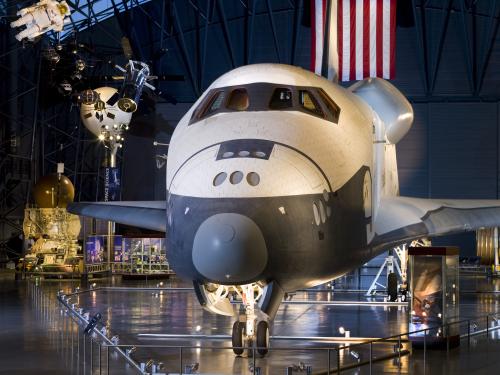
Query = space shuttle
x=278 y=180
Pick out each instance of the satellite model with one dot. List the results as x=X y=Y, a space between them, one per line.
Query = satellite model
x=44 y=16
x=107 y=112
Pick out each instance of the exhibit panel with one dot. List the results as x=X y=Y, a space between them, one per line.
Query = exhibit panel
x=434 y=296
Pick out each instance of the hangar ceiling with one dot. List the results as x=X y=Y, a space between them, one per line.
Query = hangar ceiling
x=447 y=52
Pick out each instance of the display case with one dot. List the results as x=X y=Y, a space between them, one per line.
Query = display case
x=141 y=256
x=434 y=303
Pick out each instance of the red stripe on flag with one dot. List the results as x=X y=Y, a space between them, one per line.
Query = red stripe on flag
x=366 y=38
x=380 y=41
x=340 y=29
x=313 y=36
x=352 y=71
x=392 y=52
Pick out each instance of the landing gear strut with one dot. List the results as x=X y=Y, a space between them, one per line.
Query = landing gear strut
x=255 y=328
x=260 y=305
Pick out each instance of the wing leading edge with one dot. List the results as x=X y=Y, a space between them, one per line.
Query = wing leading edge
x=401 y=219
x=143 y=214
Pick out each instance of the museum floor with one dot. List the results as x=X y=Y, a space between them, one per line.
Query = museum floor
x=36 y=337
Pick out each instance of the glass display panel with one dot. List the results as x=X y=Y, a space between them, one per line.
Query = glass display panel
x=95 y=247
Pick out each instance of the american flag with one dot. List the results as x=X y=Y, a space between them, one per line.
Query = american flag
x=353 y=39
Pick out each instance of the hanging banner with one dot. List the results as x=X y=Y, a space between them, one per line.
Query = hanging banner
x=111 y=184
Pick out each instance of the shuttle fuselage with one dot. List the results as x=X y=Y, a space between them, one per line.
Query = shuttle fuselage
x=273 y=185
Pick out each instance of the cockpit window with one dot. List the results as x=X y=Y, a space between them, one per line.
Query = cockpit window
x=309 y=102
x=265 y=96
x=212 y=103
x=330 y=106
x=215 y=103
x=281 y=99
x=238 y=100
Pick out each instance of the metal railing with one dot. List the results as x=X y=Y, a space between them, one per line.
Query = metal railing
x=335 y=359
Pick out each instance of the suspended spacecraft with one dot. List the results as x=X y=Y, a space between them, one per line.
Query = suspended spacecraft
x=101 y=115
x=106 y=111
x=44 y=16
x=136 y=76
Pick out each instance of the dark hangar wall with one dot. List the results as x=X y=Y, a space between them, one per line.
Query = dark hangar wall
x=447 y=65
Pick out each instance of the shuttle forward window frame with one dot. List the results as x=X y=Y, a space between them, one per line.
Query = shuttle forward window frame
x=238 y=100
x=316 y=109
x=332 y=109
x=264 y=96
x=206 y=109
x=282 y=98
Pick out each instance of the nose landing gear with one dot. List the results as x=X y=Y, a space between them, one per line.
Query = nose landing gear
x=259 y=307
x=252 y=328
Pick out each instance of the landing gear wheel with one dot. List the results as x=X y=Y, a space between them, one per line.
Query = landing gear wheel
x=237 y=338
x=262 y=338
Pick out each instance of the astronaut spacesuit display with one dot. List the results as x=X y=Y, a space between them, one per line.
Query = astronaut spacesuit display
x=44 y=16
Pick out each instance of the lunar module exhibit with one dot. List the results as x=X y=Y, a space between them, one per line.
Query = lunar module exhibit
x=51 y=230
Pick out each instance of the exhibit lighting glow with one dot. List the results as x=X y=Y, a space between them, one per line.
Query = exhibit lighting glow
x=412 y=312
x=106 y=127
x=101 y=137
x=111 y=137
x=341 y=330
x=118 y=137
x=198 y=328
x=115 y=126
x=439 y=315
x=424 y=313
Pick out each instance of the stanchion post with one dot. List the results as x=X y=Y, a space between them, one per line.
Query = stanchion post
x=425 y=348
x=91 y=356
x=448 y=338
x=253 y=359
x=468 y=333
x=338 y=360
x=180 y=360
x=84 y=362
x=371 y=353
x=399 y=351
x=107 y=359
x=487 y=326
x=328 y=364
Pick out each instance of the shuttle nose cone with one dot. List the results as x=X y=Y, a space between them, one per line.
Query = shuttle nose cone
x=229 y=248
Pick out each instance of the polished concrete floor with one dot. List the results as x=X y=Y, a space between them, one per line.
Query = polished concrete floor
x=36 y=337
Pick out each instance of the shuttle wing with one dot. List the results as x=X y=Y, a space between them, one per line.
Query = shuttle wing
x=401 y=219
x=143 y=214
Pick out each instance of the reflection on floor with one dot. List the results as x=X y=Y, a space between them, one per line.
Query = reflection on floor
x=35 y=329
